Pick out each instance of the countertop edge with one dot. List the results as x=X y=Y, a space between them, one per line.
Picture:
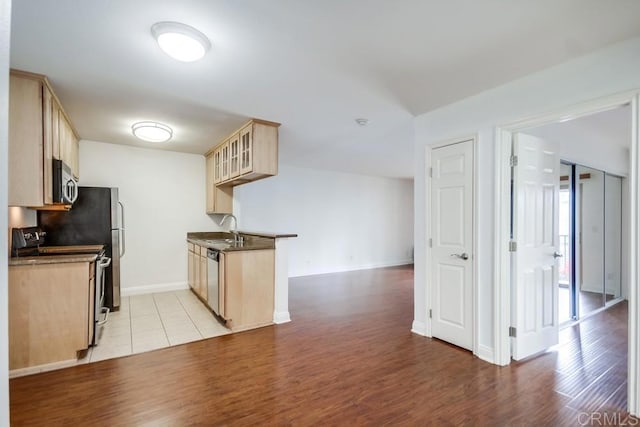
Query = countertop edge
x=51 y=259
x=204 y=243
x=268 y=235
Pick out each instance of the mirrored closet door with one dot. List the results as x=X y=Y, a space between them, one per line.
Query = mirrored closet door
x=590 y=237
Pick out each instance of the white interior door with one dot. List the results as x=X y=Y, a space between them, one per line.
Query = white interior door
x=536 y=194
x=452 y=244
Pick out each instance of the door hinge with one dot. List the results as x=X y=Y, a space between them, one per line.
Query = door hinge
x=430 y=172
x=513 y=161
x=430 y=242
x=512 y=331
x=430 y=314
x=513 y=246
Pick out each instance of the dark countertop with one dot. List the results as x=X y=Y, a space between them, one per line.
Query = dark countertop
x=51 y=259
x=268 y=235
x=251 y=242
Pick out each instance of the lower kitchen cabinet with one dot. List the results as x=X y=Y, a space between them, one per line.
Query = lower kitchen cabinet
x=246 y=281
x=197 y=270
x=50 y=312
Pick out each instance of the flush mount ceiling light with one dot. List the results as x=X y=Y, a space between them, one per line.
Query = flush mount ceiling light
x=180 y=41
x=362 y=121
x=152 y=131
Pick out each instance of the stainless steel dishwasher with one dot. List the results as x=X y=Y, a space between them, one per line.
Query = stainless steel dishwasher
x=213 y=298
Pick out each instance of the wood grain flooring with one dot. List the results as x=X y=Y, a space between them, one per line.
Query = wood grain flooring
x=348 y=358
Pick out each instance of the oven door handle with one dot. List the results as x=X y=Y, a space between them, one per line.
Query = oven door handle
x=105 y=311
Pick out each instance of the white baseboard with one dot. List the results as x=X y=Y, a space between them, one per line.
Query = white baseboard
x=419 y=328
x=21 y=372
x=486 y=353
x=153 y=289
x=345 y=268
x=281 y=317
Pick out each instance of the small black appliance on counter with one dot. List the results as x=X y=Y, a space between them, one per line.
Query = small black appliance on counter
x=25 y=241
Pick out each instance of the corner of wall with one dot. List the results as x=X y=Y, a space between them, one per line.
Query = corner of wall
x=486 y=353
x=419 y=328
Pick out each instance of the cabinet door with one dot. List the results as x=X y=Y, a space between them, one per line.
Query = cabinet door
x=217 y=166
x=196 y=272
x=49 y=116
x=191 y=269
x=203 y=276
x=224 y=159
x=234 y=156
x=68 y=144
x=25 y=142
x=246 y=149
x=210 y=184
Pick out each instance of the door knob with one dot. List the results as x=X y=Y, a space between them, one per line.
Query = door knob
x=463 y=256
x=557 y=255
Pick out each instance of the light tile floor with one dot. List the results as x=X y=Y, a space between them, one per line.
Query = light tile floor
x=144 y=323
x=153 y=321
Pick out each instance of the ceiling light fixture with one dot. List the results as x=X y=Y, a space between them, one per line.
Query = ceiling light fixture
x=362 y=121
x=152 y=131
x=180 y=41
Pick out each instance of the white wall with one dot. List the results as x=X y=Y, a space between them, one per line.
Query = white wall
x=164 y=197
x=343 y=221
x=603 y=73
x=5 y=23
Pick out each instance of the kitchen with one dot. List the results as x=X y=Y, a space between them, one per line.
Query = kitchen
x=244 y=293
x=162 y=208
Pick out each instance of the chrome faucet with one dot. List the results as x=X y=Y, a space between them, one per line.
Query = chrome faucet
x=236 y=237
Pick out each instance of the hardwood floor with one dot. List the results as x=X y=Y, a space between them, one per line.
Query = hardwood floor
x=348 y=357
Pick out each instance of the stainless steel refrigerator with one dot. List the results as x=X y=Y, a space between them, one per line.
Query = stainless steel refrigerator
x=96 y=217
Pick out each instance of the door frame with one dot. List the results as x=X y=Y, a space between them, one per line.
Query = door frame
x=428 y=235
x=502 y=256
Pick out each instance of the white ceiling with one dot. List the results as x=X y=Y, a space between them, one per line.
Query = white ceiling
x=313 y=66
x=611 y=128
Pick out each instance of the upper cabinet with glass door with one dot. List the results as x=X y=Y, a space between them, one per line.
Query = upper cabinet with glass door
x=249 y=154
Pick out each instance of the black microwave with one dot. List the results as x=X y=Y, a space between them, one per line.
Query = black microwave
x=65 y=186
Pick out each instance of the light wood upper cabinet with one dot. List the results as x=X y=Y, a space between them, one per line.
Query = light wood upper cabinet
x=234 y=156
x=26 y=151
x=69 y=145
x=224 y=161
x=246 y=149
x=39 y=131
x=249 y=154
x=219 y=199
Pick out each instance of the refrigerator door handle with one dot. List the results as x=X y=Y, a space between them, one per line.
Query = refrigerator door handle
x=121 y=215
x=122 y=248
x=121 y=229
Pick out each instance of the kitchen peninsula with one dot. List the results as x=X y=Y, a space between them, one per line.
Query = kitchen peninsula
x=242 y=278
